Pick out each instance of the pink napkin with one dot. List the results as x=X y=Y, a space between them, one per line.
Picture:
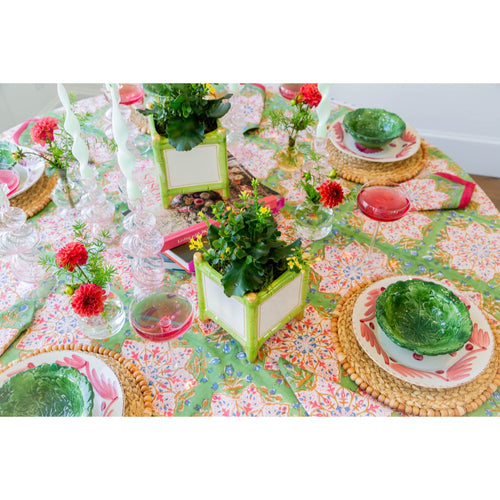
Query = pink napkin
x=21 y=129
x=439 y=191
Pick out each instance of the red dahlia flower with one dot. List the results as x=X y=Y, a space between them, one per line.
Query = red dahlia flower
x=311 y=94
x=71 y=255
x=331 y=194
x=43 y=130
x=88 y=300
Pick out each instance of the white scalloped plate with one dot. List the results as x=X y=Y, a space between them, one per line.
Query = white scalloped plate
x=30 y=171
x=108 y=392
x=449 y=370
x=397 y=150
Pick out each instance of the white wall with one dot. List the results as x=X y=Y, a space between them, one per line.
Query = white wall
x=21 y=101
x=462 y=120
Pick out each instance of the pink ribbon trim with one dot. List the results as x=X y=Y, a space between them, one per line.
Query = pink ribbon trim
x=468 y=189
x=22 y=128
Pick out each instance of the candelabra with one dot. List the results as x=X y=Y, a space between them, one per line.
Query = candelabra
x=95 y=210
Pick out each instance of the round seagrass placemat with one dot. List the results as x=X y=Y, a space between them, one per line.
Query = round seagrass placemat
x=398 y=394
x=37 y=197
x=362 y=171
x=137 y=395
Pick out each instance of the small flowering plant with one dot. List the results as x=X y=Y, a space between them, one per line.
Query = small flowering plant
x=56 y=144
x=82 y=265
x=244 y=247
x=327 y=192
x=185 y=112
x=308 y=98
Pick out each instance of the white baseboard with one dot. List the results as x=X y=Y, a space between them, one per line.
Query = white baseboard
x=477 y=155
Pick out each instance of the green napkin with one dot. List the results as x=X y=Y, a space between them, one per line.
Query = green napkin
x=16 y=320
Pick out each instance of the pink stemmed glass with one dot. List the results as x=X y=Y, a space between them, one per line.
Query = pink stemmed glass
x=383 y=201
x=290 y=90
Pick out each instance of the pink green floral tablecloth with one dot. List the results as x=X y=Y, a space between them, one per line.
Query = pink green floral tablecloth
x=205 y=372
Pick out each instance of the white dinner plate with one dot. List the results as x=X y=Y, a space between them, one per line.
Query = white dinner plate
x=397 y=150
x=108 y=392
x=30 y=170
x=444 y=371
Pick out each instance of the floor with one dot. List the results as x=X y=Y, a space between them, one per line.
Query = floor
x=491 y=186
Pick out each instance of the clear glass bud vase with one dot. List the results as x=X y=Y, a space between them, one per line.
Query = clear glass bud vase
x=67 y=193
x=107 y=323
x=313 y=221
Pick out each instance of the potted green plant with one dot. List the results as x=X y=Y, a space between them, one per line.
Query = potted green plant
x=249 y=281
x=189 y=145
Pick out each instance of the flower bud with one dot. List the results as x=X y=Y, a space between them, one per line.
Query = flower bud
x=69 y=290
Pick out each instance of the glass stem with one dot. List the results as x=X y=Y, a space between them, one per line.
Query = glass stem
x=374 y=237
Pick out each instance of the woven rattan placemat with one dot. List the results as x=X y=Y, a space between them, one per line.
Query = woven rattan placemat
x=37 y=197
x=137 y=395
x=398 y=394
x=361 y=171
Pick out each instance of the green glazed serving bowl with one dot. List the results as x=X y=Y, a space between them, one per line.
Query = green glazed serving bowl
x=373 y=127
x=424 y=317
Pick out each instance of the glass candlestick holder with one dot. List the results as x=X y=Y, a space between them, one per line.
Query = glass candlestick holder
x=143 y=242
x=19 y=242
x=234 y=120
x=157 y=312
x=98 y=212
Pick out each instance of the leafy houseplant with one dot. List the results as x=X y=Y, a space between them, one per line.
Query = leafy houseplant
x=189 y=146
x=249 y=281
x=245 y=247
x=299 y=119
x=185 y=112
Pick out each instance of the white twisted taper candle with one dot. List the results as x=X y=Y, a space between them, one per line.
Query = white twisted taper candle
x=72 y=126
x=126 y=160
x=323 y=109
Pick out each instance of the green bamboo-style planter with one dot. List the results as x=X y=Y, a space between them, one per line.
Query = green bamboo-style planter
x=251 y=319
x=204 y=168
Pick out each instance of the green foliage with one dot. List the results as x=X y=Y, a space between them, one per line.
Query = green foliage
x=6 y=159
x=312 y=178
x=94 y=271
x=300 y=119
x=245 y=248
x=185 y=112
x=59 y=155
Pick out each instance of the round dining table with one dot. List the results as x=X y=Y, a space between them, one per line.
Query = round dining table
x=300 y=370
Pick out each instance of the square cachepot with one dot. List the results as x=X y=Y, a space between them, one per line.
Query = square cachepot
x=203 y=168
x=251 y=319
